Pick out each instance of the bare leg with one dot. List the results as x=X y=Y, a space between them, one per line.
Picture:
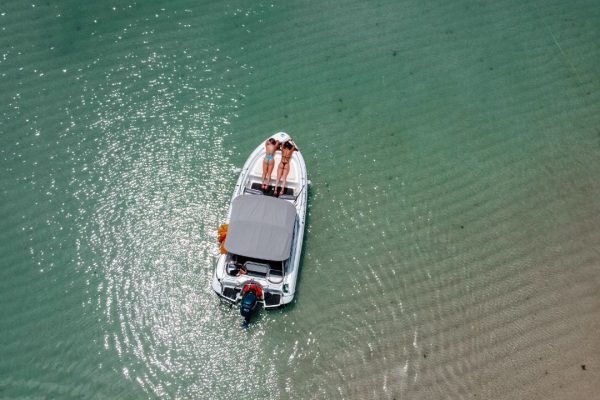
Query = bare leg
x=286 y=171
x=269 y=172
x=265 y=171
x=279 y=173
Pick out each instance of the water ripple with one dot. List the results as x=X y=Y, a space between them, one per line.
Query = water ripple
x=157 y=189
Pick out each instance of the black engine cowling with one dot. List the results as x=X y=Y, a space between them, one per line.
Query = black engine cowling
x=248 y=304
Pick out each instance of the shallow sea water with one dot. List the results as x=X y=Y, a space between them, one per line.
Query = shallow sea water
x=452 y=237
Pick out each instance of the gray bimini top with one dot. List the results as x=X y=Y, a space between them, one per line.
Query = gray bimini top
x=261 y=227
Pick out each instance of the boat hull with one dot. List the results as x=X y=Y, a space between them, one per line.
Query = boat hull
x=278 y=288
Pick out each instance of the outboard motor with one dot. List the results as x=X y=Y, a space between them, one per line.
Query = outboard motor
x=248 y=305
x=251 y=293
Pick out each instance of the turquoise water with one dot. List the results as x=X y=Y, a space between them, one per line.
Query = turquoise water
x=452 y=234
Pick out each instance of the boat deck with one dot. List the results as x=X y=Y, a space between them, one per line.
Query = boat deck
x=293 y=180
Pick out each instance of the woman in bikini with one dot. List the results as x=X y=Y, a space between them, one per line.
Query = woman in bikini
x=284 y=166
x=271 y=146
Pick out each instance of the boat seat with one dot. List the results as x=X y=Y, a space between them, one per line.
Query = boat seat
x=257 y=269
x=287 y=191
x=275 y=276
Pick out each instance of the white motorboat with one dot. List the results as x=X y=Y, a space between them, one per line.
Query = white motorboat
x=263 y=240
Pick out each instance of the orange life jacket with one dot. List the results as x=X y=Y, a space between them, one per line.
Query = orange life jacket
x=222 y=232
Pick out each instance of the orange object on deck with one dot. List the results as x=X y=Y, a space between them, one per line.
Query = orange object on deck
x=222 y=235
x=222 y=232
